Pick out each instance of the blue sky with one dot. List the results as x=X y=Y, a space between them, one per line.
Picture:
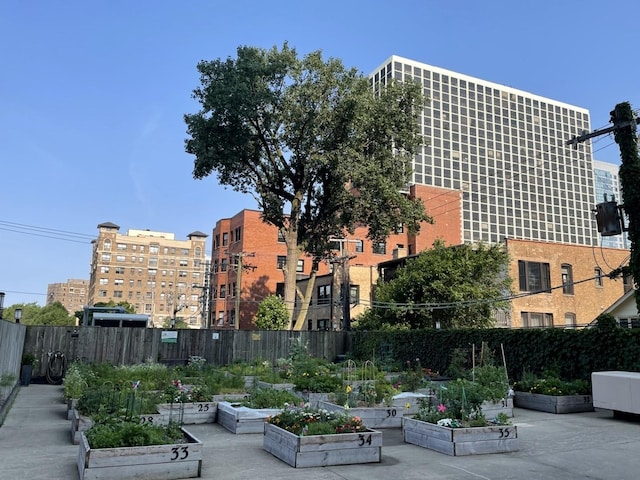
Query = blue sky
x=92 y=98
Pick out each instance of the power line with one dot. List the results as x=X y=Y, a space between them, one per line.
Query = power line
x=45 y=232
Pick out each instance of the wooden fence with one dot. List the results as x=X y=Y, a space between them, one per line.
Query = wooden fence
x=11 y=343
x=126 y=346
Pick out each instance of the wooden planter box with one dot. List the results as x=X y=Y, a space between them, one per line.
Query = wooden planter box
x=372 y=417
x=554 y=404
x=155 y=462
x=410 y=401
x=238 y=419
x=71 y=406
x=190 y=413
x=460 y=441
x=314 y=398
x=277 y=386
x=79 y=424
x=492 y=409
x=322 y=450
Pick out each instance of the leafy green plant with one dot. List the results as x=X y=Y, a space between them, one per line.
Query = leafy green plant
x=113 y=432
x=29 y=359
x=73 y=382
x=269 y=398
x=553 y=386
x=7 y=379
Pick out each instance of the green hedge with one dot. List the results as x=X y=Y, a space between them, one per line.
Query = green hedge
x=573 y=354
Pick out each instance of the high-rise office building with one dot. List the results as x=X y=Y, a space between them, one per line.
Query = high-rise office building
x=607 y=188
x=160 y=276
x=505 y=149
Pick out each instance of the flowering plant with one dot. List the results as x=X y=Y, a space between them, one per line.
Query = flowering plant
x=304 y=421
x=553 y=386
x=177 y=392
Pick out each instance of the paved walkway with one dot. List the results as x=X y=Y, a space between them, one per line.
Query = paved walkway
x=35 y=443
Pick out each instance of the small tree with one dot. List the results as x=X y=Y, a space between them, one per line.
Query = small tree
x=272 y=314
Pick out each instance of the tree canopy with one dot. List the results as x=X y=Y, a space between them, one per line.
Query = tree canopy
x=34 y=314
x=319 y=150
x=451 y=286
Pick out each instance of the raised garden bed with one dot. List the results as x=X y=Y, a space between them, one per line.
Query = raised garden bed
x=554 y=403
x=492 y=409
x=155 y=462
x=190 y=413
x=372 y=417
x=460 y=441
x=277 y=386
x=322 y=450
x=239 y=419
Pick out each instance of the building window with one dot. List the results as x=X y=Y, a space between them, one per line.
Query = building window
x=354 y=294
x=102 y=293
x=107 y=245
x=359 y=246
x=597 y=275
x=399 y=229
x=536 y=319
x=223 y=265
x=184 y=263
x=569 y=320
x=282 y=260
x=324 y=294
x=324 y=324
x=223 y=291
x=280 y=236
x=117 y=294
x=300 y=266
x=104 y=269
x=534 y=276
x=184 y=252
x=118 y=281
x=182 y=273
x=215 y=266
x=104 y=281
x=379 y=248
x=280 y=289
x=567 y=279
x=220 y=318
x=119 y=270
x=216 y=241
x=154 y=249
x=106 y=257
x=237 y=234
x=152 y=272
x=627 y=281
x=225 y=239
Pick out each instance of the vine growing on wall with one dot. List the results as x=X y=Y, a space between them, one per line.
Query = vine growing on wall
x=626 y=138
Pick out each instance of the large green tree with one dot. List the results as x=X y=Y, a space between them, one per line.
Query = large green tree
x=34 y=314
x=454 y=287
x=309 y=139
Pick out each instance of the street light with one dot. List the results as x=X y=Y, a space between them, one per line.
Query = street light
x=1 y=304
x=17 y=314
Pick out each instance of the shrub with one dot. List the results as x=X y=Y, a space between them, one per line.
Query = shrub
x=304 y=421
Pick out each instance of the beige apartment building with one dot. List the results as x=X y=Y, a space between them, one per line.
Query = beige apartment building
x=160 y=276
x=73 y=294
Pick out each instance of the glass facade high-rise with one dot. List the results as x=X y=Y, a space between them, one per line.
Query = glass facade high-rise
x=507 y=151
x=607 y=188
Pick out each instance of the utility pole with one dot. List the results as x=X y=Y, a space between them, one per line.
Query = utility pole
x=239 y=266
x=624 y=129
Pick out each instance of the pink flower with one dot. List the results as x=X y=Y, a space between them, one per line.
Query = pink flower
x=442 y=408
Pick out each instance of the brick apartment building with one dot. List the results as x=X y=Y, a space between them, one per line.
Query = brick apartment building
x=160 y=276
x=246 y=240
x=72 y=294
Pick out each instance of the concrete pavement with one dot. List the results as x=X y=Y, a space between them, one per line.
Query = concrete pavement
x=35 y=443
